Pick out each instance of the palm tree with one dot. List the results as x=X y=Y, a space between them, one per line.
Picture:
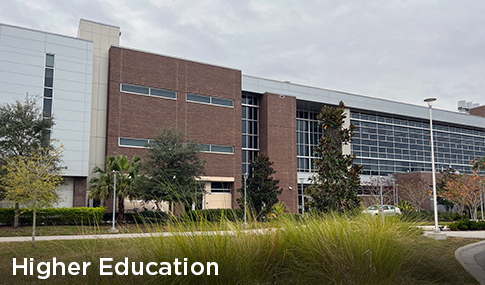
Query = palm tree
x=101 y=185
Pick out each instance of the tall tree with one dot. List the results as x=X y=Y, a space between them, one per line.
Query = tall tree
x=262 y=189
x=416 y=192
x=101 y=185
x=373 y=189
x=447 y=175
x=335 y=184
x=464 y=190
x=33 y=181
x=479 y=164
x=23 y=130
x=171 y=169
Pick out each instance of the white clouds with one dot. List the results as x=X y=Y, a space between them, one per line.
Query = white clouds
x=398 y=50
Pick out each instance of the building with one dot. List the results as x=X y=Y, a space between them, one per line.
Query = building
x=130 y=94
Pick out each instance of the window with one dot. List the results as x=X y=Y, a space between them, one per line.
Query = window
x=135 y=89
x=221 y=187
x=143 y=90
x=209 y=100
x=131 y=142
x=49 y=60
x=250 y=129
x=48 y=85
x=163 y=93
x=198 y=98
x=217 y=148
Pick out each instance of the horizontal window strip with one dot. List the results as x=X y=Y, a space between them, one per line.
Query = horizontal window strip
x=217 y=148
x=143 y=90
x=131 y=142
x=209 y=100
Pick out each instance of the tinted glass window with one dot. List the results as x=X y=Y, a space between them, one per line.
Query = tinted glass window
x=222 y=102
x=163 y=93
x=135 y=89
x=198 y=98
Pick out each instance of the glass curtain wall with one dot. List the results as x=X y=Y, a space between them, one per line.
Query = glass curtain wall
x=387 y=145
x=307 y=134
x=250 y=130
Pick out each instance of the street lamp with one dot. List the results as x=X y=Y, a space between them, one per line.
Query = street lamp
x=113 y=229
x=380 y=186
x=302 y=198
x=245 y=175
x=435 y=199
x=393 y=180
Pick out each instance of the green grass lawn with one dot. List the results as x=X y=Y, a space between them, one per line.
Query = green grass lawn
x=326 y=250
x=7 y=231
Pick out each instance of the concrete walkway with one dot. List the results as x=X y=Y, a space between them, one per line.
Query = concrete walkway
x=472 y=256
x=134 y=235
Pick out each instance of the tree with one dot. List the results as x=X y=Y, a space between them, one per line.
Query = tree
x=23 y=131
x=479 y=164
x=262 y=189
x=447 y=175
x=465 y=190
x=415 y=192
x=171 y=169
x=335 y=184
x=33 y=181
x=101 y=185
x=373 y=189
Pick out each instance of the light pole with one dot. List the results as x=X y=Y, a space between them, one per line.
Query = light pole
x=245 y=175
x=435 y=199
x=302 y=198
x=113 y=229
x=380 y=186
x=393 y=189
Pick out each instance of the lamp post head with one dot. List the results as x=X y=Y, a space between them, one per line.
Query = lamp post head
x=430 y=101
x=245 y=175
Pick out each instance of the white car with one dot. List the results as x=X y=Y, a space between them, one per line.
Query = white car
x=387 y=210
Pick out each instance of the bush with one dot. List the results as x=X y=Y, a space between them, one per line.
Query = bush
x=466 y=225
x=428 y=216
x=213 y=215
x=158 y=217
x=54 y=216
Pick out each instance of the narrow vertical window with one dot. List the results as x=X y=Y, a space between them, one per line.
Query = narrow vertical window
x=48 y=85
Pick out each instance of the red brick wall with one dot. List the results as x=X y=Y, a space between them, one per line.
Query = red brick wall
x=277 y=135
x=478 y=111
x=138 y=116
x=80 y=186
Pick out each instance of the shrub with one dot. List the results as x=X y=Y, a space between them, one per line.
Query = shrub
x=213 y=215
x=55 y=216
x=148 y=216
x=466 y=225
x=428 y=216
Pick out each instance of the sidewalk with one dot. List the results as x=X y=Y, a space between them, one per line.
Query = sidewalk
x=472 y=256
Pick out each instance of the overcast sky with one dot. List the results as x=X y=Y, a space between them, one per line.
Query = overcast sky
x=398 y=50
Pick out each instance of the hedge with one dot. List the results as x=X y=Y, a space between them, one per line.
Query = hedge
x=428 y=216
x=213 y=215
x=54 y=216
x=467 y=225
